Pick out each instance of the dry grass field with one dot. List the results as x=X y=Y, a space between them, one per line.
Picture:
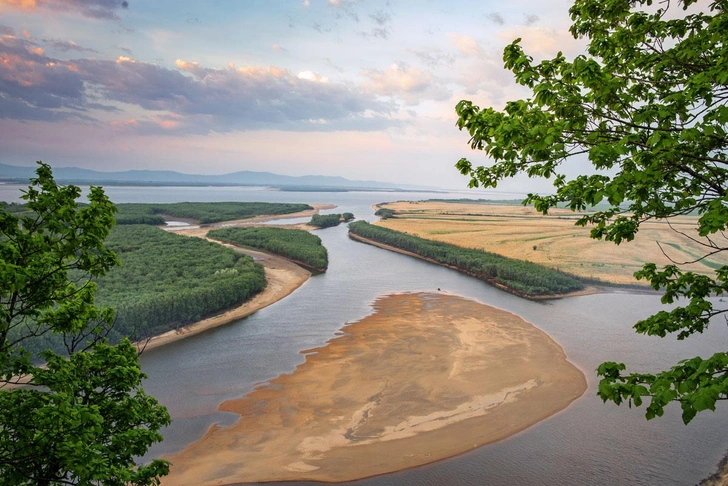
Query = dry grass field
x=521 y=232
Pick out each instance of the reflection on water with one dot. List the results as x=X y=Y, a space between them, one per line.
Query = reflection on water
x=589 y=443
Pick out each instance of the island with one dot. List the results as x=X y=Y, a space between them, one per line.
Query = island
x=424 y=377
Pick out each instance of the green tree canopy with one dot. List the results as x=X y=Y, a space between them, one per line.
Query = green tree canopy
x=81 y=418
x=648 y=107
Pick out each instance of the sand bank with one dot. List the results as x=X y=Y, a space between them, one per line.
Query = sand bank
x=425 y=377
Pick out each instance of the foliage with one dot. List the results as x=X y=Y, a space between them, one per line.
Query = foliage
x=648 y=108
x=347 y=217
x=325 y=220
x=521 y=277
x=384 y=213
x=298 y=245
x=203 y=212
x=84 y=417
x=168 y=280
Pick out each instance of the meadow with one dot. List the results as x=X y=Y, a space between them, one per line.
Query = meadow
x=553 y=240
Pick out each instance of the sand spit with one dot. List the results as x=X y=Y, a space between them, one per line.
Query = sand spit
x=425 y=377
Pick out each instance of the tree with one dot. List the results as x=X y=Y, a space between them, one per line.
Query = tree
x=647 y=107
x=81 y=418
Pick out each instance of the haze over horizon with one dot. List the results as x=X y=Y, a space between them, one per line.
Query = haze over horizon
x=363 y=89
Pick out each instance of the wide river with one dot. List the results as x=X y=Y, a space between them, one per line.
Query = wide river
x=588 y=443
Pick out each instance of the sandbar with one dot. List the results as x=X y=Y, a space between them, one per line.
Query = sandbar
x=423 y=378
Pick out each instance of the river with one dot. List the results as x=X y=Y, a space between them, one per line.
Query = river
x=588 y=443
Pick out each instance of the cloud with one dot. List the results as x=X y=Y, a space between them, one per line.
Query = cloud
x=467 y=45
x=333 y=65
x=312 y=76
x=66 y=46
x=406 y=83
x=530 y=18
x=35 y=87
x=276 y=47
x=344 y=8
x=381 y=17
x=381 y=28
x=320 y=28
x=190 y=98
x=495 y=17
x=434 y=57
x=5 y=30
x=306 y=3
x=98 y=9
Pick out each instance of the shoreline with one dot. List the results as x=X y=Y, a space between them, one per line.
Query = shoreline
x=401 y=388
x=588 y=289
x=283 y=277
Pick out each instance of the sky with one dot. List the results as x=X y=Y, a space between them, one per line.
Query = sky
x=364 y=89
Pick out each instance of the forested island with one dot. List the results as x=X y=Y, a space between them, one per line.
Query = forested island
x=329 y=220
x=166 y=281
x=201 y=212
x=297 y=245
x=519 y=277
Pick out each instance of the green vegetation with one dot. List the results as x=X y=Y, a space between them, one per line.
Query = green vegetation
x=202 y=212
x=524 y=278
x=325 y=220
x=347 y=217
x=298 y=245
x=385 y=213
x=83 y=418
x=647 y=106
x=168 y=280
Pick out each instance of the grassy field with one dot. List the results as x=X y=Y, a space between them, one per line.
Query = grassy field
x=521 y=232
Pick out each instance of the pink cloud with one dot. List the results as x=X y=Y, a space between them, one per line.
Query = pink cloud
x=100 y=9
x=35 y=86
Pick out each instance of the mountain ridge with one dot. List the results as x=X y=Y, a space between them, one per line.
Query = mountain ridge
x=12 y=173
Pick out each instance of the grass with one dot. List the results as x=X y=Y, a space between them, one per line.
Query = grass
x=512 y=231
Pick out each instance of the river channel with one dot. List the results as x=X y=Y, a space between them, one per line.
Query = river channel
x=588 y=443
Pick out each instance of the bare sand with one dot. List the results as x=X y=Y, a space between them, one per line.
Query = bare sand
x=282 y=275
x=425 y=377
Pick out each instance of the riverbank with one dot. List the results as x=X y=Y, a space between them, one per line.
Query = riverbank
x=588 y=290
x=401 y=388
x=283 y=277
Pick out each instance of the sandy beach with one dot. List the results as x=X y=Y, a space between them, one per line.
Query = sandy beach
x=282 y=275
x=425 y=377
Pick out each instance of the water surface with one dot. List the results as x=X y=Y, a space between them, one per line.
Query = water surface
x=589 y=443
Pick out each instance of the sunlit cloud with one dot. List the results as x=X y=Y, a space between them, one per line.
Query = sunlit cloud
x=190 y=98
x=100 y=9
x=409 y=84
x=466 y=44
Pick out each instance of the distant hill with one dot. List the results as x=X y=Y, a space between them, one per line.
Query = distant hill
x=11 y=173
